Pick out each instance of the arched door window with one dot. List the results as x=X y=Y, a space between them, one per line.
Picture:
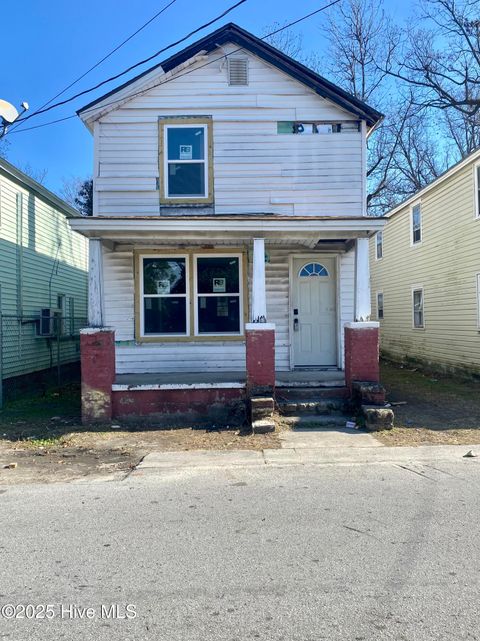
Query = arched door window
x=313 y=269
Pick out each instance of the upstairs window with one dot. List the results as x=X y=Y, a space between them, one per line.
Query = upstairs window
x=185 y=161
x=379 y=245
x=416 y=224
x=477 y=191
x=317 y=127
x=417 y=301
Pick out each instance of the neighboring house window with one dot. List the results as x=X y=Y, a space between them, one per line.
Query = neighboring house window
x=186 y=161
x=62 y=307
x=477 y=191
x=379 y=245
x=416 y=224
x=417 y=300
x=210 y=285
x=71 y=314
x=380 y=305
x=478 y=301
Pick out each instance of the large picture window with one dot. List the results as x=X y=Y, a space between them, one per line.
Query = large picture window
x=164 y=304
x=207 y=288
x=186 y=160
x=218 y=295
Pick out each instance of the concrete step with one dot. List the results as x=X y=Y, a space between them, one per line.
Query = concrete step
x=314 y=421
x=312 y=405
x=262 y=407
x=296 y=393
x=263 y=426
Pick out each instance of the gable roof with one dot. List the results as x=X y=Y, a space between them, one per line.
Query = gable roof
x=23 y=179
x=472 y=157
x=232 y=33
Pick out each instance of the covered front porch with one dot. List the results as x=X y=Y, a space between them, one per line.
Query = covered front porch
x=299 y=282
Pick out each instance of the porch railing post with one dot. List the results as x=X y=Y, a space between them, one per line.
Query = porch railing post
x=259 y=297
x=363 y=308
x=95 y=284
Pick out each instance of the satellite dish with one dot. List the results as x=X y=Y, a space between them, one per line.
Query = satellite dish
x=8 y=113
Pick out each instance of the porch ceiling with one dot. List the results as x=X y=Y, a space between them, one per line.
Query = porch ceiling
x=302 y=229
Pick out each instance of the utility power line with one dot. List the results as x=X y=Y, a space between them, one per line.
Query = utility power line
x=222 y=57
x=137 y=64
x=97 y=64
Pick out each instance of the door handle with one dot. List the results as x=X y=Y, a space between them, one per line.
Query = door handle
x=296 y=325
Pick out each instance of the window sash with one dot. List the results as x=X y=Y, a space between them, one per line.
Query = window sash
x=379 y=245
x=191 y=296
x=477 y=191
x=417 y=305
x=199 y=161
x=379 y=305
x=197 y=295
x=416 y=224
x=143 y=296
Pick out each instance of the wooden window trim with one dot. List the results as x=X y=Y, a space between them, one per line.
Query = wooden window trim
x=477 y=283
x=380 y=293
x=418 y=288
x=418 y=242
x=378 y=235
x=190 y=254
x=163 y=124
x=476 y=182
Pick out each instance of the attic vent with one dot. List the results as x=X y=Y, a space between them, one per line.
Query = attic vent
x=238 y=71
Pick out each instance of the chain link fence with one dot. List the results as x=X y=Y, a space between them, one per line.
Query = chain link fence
x=38 y=352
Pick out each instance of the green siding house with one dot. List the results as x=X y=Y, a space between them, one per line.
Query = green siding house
x=43 y=277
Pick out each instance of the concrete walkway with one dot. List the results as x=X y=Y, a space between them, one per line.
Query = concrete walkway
x=313 y=438
x=157 y=461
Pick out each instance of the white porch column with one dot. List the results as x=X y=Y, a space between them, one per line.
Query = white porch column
x=362 y=280
x=95 y=284
x=259 y=297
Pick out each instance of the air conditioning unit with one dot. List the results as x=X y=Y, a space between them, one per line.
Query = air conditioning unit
x=47 y=325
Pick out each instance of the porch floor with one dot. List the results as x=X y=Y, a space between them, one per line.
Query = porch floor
x=208 y=380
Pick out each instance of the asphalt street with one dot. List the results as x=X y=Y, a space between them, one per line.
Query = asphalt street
x=301 y=553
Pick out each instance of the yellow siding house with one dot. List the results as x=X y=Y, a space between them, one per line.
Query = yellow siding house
x=425 y=273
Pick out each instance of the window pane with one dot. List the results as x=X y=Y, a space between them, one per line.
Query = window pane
x=164 y=276
x=186 y=179
x=186 y=143
x=165 y=315
x=218 y=314
x=218 y=275
x=416 y=224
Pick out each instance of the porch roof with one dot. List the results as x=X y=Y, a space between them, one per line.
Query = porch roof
x=222 y=226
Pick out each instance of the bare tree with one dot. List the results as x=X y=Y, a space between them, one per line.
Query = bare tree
x=78 y=192
x=442 y=61
x=39 y=175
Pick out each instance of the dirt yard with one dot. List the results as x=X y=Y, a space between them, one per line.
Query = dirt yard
x=431 y=409
x=42 y=439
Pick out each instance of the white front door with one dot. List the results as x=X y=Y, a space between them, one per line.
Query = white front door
x=314 y=312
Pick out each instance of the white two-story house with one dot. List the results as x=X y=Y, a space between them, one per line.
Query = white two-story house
x=229 y=190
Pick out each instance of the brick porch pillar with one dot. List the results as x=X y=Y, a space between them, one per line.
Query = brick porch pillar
x=260 y=347
x=362 y=344
x=97 y=355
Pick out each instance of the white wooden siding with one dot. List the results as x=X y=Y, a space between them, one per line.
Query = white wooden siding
x=255 y=169
x=215 y=355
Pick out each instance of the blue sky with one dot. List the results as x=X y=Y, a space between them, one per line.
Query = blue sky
x=46 y=45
